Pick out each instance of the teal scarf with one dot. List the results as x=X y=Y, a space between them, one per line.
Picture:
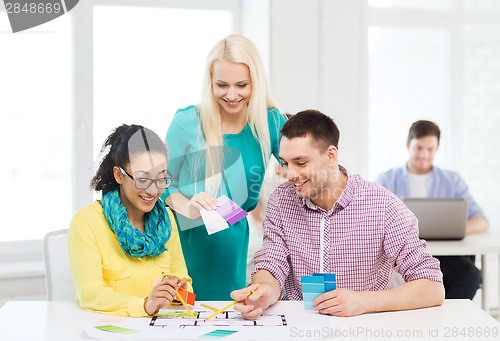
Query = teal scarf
x=157 y=227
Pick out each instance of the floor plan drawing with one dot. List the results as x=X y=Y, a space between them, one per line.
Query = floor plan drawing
x=227 y=318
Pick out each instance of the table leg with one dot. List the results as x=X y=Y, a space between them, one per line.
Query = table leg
x=484 y=291
x=498 y=285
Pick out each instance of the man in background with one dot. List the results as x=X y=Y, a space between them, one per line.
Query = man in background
x=420 y=178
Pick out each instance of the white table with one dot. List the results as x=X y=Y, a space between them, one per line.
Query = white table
x=57 y=320
x=477 y=244
x=446 y=322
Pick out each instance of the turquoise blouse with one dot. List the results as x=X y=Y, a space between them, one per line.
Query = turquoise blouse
x=217 y=262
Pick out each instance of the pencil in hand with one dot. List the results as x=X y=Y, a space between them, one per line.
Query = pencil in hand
x=179 y=297
x=229 y=305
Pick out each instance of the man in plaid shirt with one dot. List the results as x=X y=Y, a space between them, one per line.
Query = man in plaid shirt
x=327 y=220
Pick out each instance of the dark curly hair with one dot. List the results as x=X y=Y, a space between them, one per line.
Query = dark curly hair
x=121 y=144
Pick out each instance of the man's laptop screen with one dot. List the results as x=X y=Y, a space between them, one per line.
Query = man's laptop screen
x=439 y=218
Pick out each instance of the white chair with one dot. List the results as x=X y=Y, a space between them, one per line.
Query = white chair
x=58 y=279
x=396 y=279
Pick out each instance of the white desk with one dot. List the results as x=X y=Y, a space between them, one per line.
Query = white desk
x=456 y=319
x=477 y=244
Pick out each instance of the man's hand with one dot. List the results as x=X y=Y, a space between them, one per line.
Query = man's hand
x=251 y=307
x=340 y=302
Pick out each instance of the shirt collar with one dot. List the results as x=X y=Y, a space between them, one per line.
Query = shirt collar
x=405 y=170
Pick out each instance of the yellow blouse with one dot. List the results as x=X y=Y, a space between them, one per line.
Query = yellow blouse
x=106 y=278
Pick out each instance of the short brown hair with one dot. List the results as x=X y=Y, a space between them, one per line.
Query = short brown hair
x=320 y=127
x=423 y=128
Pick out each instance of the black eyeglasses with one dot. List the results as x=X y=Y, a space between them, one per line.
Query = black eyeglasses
x=145 y=183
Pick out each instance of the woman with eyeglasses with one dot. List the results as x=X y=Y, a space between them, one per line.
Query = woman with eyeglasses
x=124 y=250
x=222 y=147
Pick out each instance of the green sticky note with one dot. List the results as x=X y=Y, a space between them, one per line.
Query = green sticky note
x=218 y=333
x=116 y=329
x=174 y=314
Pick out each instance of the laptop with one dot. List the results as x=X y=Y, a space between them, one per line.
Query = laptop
x=439 y=218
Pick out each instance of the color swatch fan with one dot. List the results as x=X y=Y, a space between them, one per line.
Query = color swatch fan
x=227 y=212
x=315 y=285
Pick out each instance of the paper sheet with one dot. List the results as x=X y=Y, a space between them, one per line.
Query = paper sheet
x=272 y=324
x=213 y=221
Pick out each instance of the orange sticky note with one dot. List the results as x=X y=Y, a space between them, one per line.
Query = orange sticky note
x=187 y=296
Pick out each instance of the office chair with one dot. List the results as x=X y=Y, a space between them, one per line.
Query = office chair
x=396 y=279
x=58 y=279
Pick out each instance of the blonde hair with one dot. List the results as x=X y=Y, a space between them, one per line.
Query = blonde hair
x=233 y=49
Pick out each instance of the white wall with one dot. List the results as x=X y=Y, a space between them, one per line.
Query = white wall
x=22 y=278
x=310 y=71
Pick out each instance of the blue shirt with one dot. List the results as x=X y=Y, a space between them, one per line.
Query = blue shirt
x=443 y=184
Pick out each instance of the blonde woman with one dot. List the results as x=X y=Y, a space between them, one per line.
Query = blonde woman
x=221 y=147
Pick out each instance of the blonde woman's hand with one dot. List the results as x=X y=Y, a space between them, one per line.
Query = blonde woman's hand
x=200 y=201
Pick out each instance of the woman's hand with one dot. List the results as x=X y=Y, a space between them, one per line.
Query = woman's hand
x=163 y=293
x=200 y=201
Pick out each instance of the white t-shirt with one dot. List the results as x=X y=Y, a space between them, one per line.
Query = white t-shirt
x=418 y=185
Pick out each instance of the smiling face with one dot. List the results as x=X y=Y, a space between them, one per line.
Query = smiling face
x=309 y=169
x=144 y=165
x=422 y=152
x=232 y=87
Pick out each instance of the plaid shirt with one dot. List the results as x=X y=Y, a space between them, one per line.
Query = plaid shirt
x=366 y=234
